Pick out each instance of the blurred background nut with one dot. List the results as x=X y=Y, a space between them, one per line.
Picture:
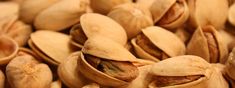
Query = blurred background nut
x=29 y=9
x=91 y=25
x=231 y=15
x=8 y=49
x=26 y=72
x=106 y=62
x=207 y=12
x=132 y=17
x=207 y=43
x=104 y=6
x=155 y=43
x=61 y=15
x=169 y=14
x=145 y=3
x=230 y=64
x=2 y=79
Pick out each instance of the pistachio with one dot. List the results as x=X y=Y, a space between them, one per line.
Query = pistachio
x=78 y=34
x=231 y=13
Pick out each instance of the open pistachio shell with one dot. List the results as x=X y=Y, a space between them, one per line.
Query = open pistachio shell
x=26 y=72
x=107 y=50
x=8 y=49
x=104 y=6
x=169 y=13
x=132 y=17
x=2 y=79
x=90 y=25
x=60 y=15
x=31 y=8
x=181 y=66
x=69 y=73
x=162 y=39
x=198 y=45
x=51 y=46
x=204 y=12
x=231 y=13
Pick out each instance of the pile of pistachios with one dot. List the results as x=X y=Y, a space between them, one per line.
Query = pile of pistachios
x=117 y=44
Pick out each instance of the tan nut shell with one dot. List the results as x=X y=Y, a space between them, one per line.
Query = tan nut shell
x=198 y=45
x=104 y=6
x=69 y=73
x=92 y=85
x=31 y=8
x=26 y=72
x=132 y=17
x=8 y=49
x=230 y=64
x=207 y=12
x=184 y=66
x=99 y=77
x=159 y=8
x=56 y=84
x=105 y=48
x=231 y=15
x=8 y=9
x=92 y=25
x=51 y=46
x=60 y=15
x=162 y=39
x=145 y=3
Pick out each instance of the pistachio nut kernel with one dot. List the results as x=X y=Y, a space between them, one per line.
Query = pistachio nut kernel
x=125 y=71
x=149 y=47
x=173 y=13
x=163 y=81
x=78 y=34
x=212 y=44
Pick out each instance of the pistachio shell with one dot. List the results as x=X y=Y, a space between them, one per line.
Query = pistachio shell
x=61 y=15
x=107 y=49
x=204 y=12
x=8 y=9
x=104 y=6
x=183 y=66
x=229 y=68
x=47 y=44
x=8 y=49
x=92 y=26
x=23 y=51
x=69 y=73
x=145 y=3
x=90 y=72
x=231 y=14
x=31 y=8
x=159 y=8
x=92 y=85
x=132 y=17
x=56 y=84
x=162 y=39
x=26 y=72
x=198 y=45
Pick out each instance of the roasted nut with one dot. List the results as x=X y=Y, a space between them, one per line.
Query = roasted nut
x=105 y=64
x=207 y=43
x=155 y=43
x=169 y=14
x=132 y=17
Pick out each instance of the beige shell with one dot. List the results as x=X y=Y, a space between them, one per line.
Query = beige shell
x=2 y=79
x=91 y=73
x=160 y=8
x=104 y=6
x=198 y=45
x=132 y=17
x=56 y=84
x=183 y=66
x=31 y=8
x=204 y=12
x=8 y=49
x=230 y=64
x=105 y=48
x=163 y=40
x=8 y=9
x=69 y=73
x=92 y=85
x=23 y=51
x=231 y=13
x=26 y=72
x=51 y=46
x=20 y=32
x=61 y=15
